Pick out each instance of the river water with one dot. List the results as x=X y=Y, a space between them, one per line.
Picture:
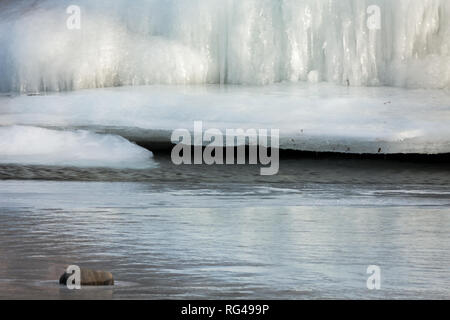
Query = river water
x=206 y=232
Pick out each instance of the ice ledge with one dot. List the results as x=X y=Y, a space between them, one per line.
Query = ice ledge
x=317 y=118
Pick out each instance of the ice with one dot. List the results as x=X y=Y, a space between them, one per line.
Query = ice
x=324 y=72
x=39 y=146
x=311 y=117
x=224 y=41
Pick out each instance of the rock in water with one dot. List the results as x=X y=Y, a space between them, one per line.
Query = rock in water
x=91 y=278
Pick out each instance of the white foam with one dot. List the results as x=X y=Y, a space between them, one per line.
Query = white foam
x=39 y=146
x=223 y=41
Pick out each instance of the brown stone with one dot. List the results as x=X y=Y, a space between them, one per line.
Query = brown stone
x=91 y=278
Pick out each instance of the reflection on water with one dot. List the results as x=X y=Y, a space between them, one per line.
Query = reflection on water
x=199 y=237
x=205 y=232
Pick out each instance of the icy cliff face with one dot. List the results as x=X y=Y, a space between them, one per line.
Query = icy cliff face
x=141 y=42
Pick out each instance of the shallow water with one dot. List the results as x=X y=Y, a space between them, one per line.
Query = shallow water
x=205 y=232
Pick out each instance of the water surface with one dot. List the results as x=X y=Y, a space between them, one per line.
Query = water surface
x=204 y=232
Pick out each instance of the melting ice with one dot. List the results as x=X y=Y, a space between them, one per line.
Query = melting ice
x=39 y=146
x=241 y=43
x=216 y=41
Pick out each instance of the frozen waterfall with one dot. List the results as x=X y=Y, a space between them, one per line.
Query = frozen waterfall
x=258 y=42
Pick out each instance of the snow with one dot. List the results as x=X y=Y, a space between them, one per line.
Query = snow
x=320 y=117
x=38 y=146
